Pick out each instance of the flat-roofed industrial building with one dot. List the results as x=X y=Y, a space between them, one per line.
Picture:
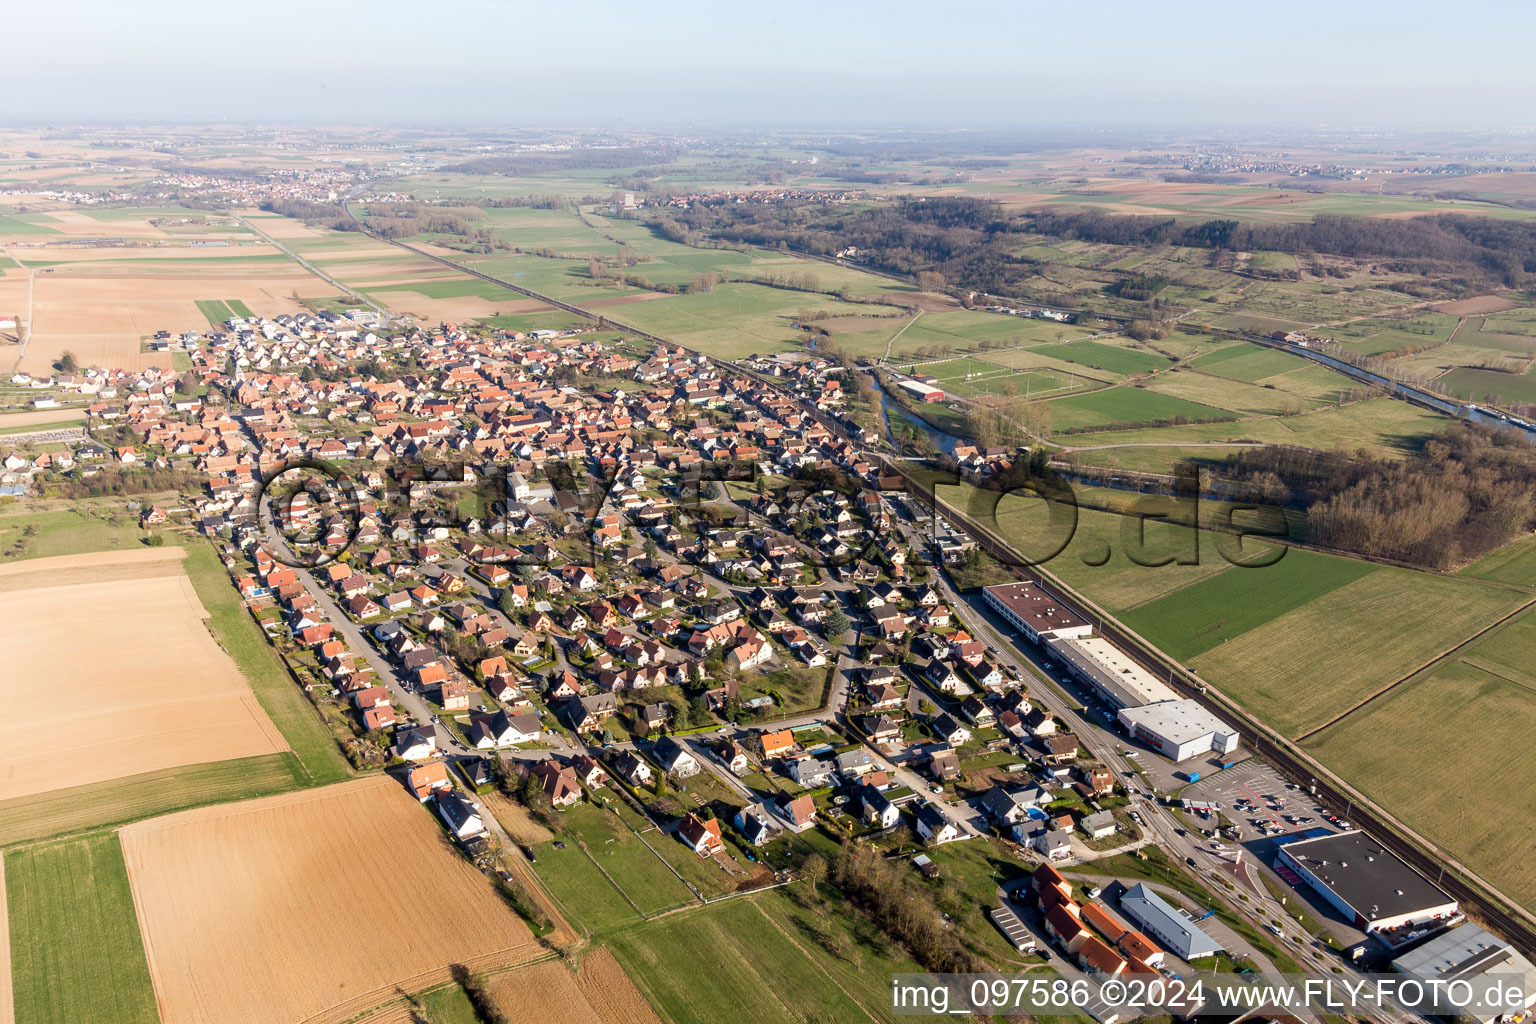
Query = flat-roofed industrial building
x=1473 y=955
x=1109 y=672
x=1179 y=729
x=1374 y=889
x=1034 y=612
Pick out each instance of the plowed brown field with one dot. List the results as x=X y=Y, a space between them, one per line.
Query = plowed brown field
x=549 y=993
x=110 y=677
x=308 y=906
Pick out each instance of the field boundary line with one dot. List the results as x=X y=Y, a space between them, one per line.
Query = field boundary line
x=581 y=844
x=807 y=954
x=1428 y=666
x=1500 y=672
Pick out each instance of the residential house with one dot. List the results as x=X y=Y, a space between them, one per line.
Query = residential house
x=425 y=779
x=461 y=817
x=935 y=826
x=675 y=758
x=559 y=783
x=633 y=769
x=701 y=835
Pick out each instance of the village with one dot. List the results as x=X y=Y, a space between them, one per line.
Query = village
x=527 y=573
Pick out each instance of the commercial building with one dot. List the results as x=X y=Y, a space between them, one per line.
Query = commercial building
x=1372 y=888
x=1169 y=926
x=1109 y=672
x=1179 y=729
x=1469 y=954
x=922 y=392
x=1034 y=612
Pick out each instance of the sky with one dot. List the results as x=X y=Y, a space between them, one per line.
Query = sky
x=784 y=63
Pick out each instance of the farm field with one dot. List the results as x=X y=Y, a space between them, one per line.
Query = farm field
x=307 y=736
x=1248 y=362
x=76 y=955
x=1384 y=427
x=1386 y=334
x=163 y=692
x=1232 y=395
x=1491 y=386
x=733 y=320
x=1100 y=356
x=40 y=419
x=1117 y=583
x=101 y=313
x=598 y=993
x=1203 y=615
x=760 y=956
x=1380 y=628
x=1473 y=715
x=297 y=857
x=123 y=800
x=1513 y=563
x=1118 y=405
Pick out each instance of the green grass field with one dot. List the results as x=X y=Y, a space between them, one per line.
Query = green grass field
x=215 y=310
x=592 y=901
x=1117 y=405
x=731 y=321
x=1491 y=386
x=1307 y=666
x=1513 y=563
x=1234 y=396
x=20 y=226
x=1471 y=717
x=76 y=955
x=1105 y=357
x=553 y=320
x=275 y=689
x=67 y=532
x=1248 y=362
x=642 y=876
x=1203 y=615
x=761 y=957
x=1384 y=427
x=120 y=801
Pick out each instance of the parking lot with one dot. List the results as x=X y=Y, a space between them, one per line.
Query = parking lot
x=1258 y=801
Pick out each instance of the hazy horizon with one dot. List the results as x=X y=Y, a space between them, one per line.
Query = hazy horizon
x=1195 y=64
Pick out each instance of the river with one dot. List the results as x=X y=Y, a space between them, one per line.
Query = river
x=943 y=441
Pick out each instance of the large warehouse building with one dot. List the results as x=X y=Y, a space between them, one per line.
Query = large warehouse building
x=1469 y=954
x=922 y=392
x=1372 y=888
x=1179 y=729
x=1149 y=709
x=1034 y=612
x=1109 y=672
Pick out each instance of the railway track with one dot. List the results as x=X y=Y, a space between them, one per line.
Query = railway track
x=1477 y=898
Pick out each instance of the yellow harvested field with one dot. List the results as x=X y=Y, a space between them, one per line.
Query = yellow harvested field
x=28 y=419
x=102 y=316
x=111 y=672
x=310 y=906
x=549 y=993
x=132 y=258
